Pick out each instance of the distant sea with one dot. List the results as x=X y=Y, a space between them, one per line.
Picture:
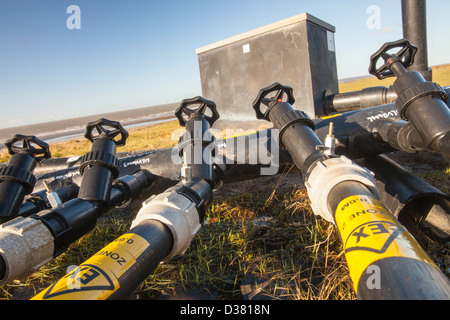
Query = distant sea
x=73 y=128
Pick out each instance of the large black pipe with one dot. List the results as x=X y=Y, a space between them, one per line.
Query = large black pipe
x=158 y=235
x=402 y=275
x=414 y=18
x=367 y=97
x=149 y=242
x=414 y=202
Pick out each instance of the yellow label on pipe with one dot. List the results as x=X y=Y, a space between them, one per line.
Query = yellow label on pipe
x=369 y=233
x=97 y=277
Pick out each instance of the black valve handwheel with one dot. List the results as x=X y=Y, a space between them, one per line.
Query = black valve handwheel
x=184 y=110
x=106 y=128
x=280 y=90
x=31 y=145
x=405 y=55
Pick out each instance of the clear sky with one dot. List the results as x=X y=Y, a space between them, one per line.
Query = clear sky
x=137 y=53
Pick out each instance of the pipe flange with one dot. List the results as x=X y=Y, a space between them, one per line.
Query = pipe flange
x=288 y=119
x=327 y=174
x=17 y=174
x=183 y=144
x=101 y=158
x=177 y=212
x=417 y=91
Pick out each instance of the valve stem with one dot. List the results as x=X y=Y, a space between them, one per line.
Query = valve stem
x=330 y=141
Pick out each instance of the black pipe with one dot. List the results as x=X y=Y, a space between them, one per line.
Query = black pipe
x=414 y=17
x=409 y=198
x=160 y=241
x=129 y=187
x=401 y=135
x=296 y=129
x=404 y=136
x=409 y=277
x=423 y=104
x=368 y=97
x=98 y=169
x=121 y=272
x=77 y=217
x=353 y=129
x=166 y=223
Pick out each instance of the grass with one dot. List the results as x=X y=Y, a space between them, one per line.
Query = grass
x=280 y=259
x=261 y=245
x=441 y=75
x=139 y=139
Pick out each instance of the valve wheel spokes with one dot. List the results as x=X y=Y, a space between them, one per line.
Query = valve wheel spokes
x=405 y=55
x=280 y=90
x=204 y=106
x=31 y=145
x=106 y=128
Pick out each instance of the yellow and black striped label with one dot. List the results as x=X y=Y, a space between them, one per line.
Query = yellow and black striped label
x=97 y=278
x=369 y=233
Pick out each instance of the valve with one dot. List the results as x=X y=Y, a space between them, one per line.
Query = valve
x=17 y=179
x=100 y=167
x=279 y=109
x=281 y=90
x=197 y=145
x=205 y=106
x=421 y=102
x=292 y=124
x=31 y=145
x=405 y=56
x=106 y=129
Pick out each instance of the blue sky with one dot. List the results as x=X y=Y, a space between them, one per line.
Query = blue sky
x=136 y=53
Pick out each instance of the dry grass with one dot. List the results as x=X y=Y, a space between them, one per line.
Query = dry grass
x=145 y=138
x=255 y=247
x=441 y=75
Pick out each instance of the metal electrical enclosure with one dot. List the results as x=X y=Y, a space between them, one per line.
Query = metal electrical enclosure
x=298 y=52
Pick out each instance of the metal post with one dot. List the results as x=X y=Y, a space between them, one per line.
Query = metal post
x=415 y=30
